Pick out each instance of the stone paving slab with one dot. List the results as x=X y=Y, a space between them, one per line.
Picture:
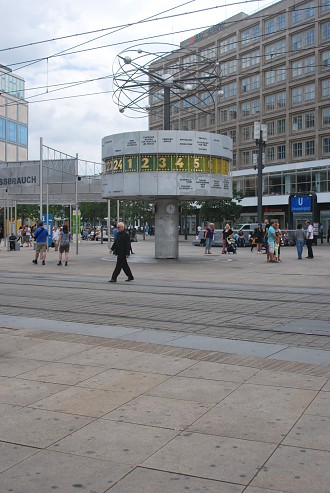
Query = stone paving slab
x=84 y=401
x=62 y=373
x=125 y=443
x=266 y=415
x=199 y=390
x=311 y=432
x=295 y=470
x=159 y=411
x=38 y=428
x=13 y=367
x=143 y=480
x=48 y=471
x=218 y=458
x=23 y=392
x=11 y=454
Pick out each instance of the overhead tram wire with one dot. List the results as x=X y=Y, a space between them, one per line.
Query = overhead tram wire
x=36 y=60
x=124 y=26
x=112 y=32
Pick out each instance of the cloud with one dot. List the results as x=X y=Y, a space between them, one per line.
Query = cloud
x=77 y=124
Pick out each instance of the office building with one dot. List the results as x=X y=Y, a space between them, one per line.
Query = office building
x=274 y=68
x=13 y=117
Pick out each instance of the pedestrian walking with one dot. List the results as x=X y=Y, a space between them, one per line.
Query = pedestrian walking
x=121 y=247
x=300 y=237
x=209 y=236
x=227 y=232
x=64 y=238
x=40 y=236
x=309 y=239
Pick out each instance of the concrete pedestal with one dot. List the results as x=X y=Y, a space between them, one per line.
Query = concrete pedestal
x=166 y=228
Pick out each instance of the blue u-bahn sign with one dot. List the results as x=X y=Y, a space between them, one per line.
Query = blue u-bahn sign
x=302 y=203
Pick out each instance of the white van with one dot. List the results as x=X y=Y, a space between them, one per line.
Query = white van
x=247 y=229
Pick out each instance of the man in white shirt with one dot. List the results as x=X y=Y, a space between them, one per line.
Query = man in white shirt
x=56 y=235
x=309 y=239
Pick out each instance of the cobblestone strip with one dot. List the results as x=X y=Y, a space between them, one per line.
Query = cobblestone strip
x=194 y=354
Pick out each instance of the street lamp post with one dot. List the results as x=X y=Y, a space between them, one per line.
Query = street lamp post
x=260 y=135
x=6 y=243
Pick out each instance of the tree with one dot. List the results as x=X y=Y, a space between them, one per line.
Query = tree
x=219 y=211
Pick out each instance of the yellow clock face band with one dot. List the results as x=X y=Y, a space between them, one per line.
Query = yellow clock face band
x=169 y=162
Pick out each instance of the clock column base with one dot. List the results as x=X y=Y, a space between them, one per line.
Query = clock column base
x=166 y=228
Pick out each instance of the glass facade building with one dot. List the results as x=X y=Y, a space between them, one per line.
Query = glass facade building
x=13 y=117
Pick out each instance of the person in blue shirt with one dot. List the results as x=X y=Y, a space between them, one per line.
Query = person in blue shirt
x=40 y=236
x=271 y=242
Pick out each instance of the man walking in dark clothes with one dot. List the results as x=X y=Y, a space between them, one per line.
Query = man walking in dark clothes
x=122 y=248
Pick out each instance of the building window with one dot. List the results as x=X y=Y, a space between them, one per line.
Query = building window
x=246 y=85
x=325 y=117
x=269 y=77
x=296 y=16
x=11 y=131
x=309 y=10
x=326 y=31
x=297 y=149
x=228 y=68
x=229 y=90
x=2 y=128
x=297 y=122
x=275 y=50
x=303 y=93
x=297 y=42
x=309 y=147
x=224 y=115
x=245 y=108
x=281 y=126
x=303 y=66
x=309 y=92
x=207 y=53
x=232 y=135
x=250 y=59
x=23 y=135
x=309 y=37
x=326 y=145
x=271 y=128
x=250 y=35
x=255 y=82
x=270 y=26
x=326 y=87
x=189 y=61
x=281 y=100
x=233 y=112
x=228 y=45
x=270 y=102
x=246 y=133
x=325 y=58
x=255 y=106
x=246 y=158
x=280 y=22
x=310 y=119
x=325 y=6
x=270 y=153
x=281 y=152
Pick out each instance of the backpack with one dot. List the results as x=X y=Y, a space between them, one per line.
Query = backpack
x=65 y=238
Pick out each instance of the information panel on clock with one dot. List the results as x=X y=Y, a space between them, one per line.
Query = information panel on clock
x=153 y=160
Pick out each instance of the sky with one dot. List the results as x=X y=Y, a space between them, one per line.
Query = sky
x=70 y=94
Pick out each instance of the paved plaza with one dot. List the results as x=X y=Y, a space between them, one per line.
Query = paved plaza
x=210 y=373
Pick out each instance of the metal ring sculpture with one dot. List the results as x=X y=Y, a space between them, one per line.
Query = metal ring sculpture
x=139 y=74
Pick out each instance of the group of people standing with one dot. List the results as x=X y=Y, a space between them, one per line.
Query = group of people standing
x=61 y=239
